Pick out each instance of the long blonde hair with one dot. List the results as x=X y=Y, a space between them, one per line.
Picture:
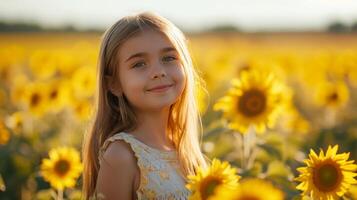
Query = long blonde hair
x=113 y=114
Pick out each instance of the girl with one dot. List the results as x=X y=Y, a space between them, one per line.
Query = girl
x=144 y=141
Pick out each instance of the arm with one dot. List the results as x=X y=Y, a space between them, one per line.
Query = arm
x=117 y=172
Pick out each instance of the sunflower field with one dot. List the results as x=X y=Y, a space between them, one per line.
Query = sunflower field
x=279 y=114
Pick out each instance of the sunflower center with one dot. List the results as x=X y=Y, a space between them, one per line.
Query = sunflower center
x=35 y=99
x=252 y=103
x=18 y=124
x=208 y=186
x=54 y=94
x=62 y=167
x=333 y=97
x=327 y=176
x=86 y=82
x=248 y=197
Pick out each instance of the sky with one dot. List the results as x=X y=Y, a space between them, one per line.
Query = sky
x=192 y=15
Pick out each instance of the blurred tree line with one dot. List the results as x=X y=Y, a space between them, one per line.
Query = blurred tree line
x=334 y=27
x=33 y=27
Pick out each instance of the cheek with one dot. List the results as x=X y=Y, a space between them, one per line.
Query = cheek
x=132 y=86
x=180 y=78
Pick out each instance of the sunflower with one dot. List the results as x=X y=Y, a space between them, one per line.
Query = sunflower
x=353 y=192
x=294 y=122
x=67 y=61
x=249 y=189
x=35 y=98
x=62 y=168
x=332 y=95
x=58 y=95
x=81 y=109
x=255 y=99
x=83 y=82
x=204 y=183
x=326 y=176
x=17 y=89
x=43 y=64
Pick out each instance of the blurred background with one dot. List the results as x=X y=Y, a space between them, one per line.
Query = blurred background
x=48 y=55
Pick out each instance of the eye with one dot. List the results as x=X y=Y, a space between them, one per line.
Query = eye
x=138 y=64
x=169 y=58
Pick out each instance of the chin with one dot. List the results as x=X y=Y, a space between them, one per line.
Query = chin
x=162 y=104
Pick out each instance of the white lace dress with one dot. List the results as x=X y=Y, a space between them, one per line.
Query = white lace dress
x=159 y=170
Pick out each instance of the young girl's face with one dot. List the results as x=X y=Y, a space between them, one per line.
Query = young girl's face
x=146 y=61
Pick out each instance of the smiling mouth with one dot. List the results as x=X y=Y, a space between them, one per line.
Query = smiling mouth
x=161 y=88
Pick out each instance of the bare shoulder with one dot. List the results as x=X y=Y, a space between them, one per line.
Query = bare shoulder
x=119 y=153
x=117 y=171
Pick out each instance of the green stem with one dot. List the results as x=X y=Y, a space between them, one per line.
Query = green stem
x=249 y=144
x=60 y=194
x=240 y=144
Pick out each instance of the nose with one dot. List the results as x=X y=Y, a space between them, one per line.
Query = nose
x=159 y=75
x=158 y=71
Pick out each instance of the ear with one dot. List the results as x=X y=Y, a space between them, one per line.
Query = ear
x=112 y=85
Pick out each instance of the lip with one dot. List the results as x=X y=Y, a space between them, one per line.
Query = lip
x=160 y=88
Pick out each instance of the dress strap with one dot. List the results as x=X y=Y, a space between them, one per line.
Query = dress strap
x=119 y=136
x=142 y=150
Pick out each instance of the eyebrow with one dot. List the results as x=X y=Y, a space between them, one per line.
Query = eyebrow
x=141 y=54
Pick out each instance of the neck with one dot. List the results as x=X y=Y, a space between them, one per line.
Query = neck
x=152 y=128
